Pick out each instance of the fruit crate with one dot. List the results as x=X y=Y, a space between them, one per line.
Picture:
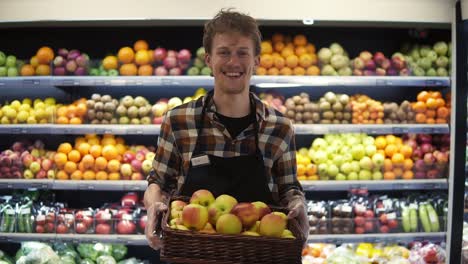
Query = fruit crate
x=194 y=247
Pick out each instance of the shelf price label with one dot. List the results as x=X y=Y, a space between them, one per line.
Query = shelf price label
x=20 y=130
x=400 y=130
x=101 y=131
x=33 y=82
x=134 y=187
x=84 y=186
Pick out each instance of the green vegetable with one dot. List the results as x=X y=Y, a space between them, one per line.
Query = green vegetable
x=66 y=259
x=106 y=260
x=93 y=251
x=87 y=261
x=119 y=251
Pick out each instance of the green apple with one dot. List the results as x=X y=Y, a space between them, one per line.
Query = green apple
x=12 y=72
x=370 y=150
x=365 y=175
x=368 y=140
x=366 y=163
x=378 y=160
x=201 y=53
x=319 y=143
x=320 y=157
x=340 y=177
x=353 y=176
x=355 y=166
x=193 y=71
x=206 y=71
x=112 y=72
x=10 y=61
x=322 y=169
x=377 y=175
x=332 y=170
x=2 y=58
x=358 y=151
x=346 y=168
x=3 y=71
x=338 y=160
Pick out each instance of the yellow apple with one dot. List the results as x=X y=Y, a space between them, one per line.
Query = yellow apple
x=229 y=224
x=195 y=216
x=181 y=227
x=255 y=227
x=250 y=233
x=283 y=215
x=222 y=205
x=247 y=213
x=178 y=205
x=287 y=234
x=208 y=229
x=175 y=213
x=176 y=221
x=202 y=197
x=262 y=208
x=272 y=225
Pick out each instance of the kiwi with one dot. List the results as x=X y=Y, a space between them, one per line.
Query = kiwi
x=91 y=114
x=346 y=116
x=108 y=116
x=401 y=114
x=339 y=115
x=114 y=121
x=309 y=121
x=324 y=106
x=388 y=121
x=297 y=99
x=106 y=98
x=305 y=100
x=98 y=106
x=348 y=108
x=289 y=103
x=96 y=97
x=109 y=107
x=105 y=122
x=290 y=113
x=90 y=104
x=315 y=117
x=298 y=117
x=337 y=107
x=99 y=115
x=325 y=122
x=307 y=116
x=135 y=121
x=308 y=107
x=299 y=108
x=328 y=115
x=344 y=122
x=336 y=121
x=304 y=95
x=95 y=122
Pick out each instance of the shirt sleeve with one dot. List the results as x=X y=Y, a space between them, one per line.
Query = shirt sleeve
x=285 y=171
x=167 y=161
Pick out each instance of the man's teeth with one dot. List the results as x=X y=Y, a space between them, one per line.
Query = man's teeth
x=233 y=74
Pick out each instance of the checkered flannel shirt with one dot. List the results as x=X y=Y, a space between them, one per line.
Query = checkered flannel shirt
x=178 y=137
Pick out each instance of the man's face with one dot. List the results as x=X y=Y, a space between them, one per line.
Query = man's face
x=232 y=61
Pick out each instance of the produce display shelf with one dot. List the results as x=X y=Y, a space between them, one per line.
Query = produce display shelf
x=383 y=185
x=259 y=81
x=121 y=185
x=378 y=238
x=300 y=129
x=74 y=238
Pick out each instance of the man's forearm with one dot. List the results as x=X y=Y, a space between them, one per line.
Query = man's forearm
x=153 y=194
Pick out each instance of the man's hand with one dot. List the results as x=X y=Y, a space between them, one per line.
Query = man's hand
x=298 y=210
x=153 y=211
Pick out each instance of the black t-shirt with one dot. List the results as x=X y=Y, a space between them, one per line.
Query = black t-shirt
x=235 y=125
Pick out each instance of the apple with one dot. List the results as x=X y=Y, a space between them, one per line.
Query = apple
x=366 y=163
x=46 y=164
x=158 y=120
x=255 y=228
x=160 y=71
x=41 y=174
x=184 y=55
x=159 y=54
x=102 y=229
x=146 y=166
x=359 y=221
x=358 y=151
x=229 y=224
x=125 y=227
x=208 y=229
x=2 y=58
x=377 y=175
x=222 y=205
x=81 y=228
x=170 y=62
x=150 y=155
x=378 y=160
x=35 y=167
x=136 y=165
x=195 y=216
x=126 y=170
x=262 y=208
x=353 y=176
x=137 y=176
x=27 y=174
x=365 y=175
x=247 y=213
x=202 y=197
x=10 y=61
x=178 y=205
x=272 y=225
x=287 y=234
x=103 y=216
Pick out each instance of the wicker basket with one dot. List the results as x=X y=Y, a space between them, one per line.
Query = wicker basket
x=194 y=247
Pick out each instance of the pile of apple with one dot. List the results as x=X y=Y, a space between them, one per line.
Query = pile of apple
x=8 y=65
x=430 y=154
x=286 y=55
x=432 y=108
x=28 y=112
x=135 y=111
x=398 y=163
x=71 y=62
x=274 y=100
x=171 y=62
x=199 y=67
x=334 y=61
x=137 y=163
x=72 y=114
x=38 y=163
x=101 y=109
x=425 y=60
x=367 y=64
x=346 y=157
x=366 y=110
x=224 y=215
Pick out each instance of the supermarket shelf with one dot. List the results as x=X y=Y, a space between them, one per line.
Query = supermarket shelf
x=74 y=238
x=300 y=129
x=120 y=185
x=378 y=238
x=259 y=81
x=383 y=185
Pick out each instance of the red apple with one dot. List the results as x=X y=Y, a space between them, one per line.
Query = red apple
x=202 y=197
x=159 y=54
x=262 y=208
x=247 y=213
x=195 y=216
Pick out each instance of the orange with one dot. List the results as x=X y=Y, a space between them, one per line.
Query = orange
x=398 y=158
x=311 y=169
x=89 y=175
x=94 y=141
x=76 y=121
x=60 y=159
x=440 y=121
x=286 y=71
x=419 y=107
x=398 y=172
x=408 y=164
x=151 y=56
x=388 y=165
x=74 y=156
x=310 y=48
x=89 y=136
x=81 y=166
x=261 y=71
x=34 y=61
x=27 y=70
x=145 y=70
x=390 y=150
x=273 y=71
x=142 y=57
x=100 y=163
x=65 y=148
x=292 y=61
x=109 y=152
x=299 y=71
x=62 y=111
x=423 y=96
x=70 y=167
x=440 y=102
x=76 y=175
x=431 y=103
x=140 y=45
x=305 y=60
x=406 y=150
x=45 y=55
x=279 y=62
x=110 y=62
x=313 y=70
x=266 y=61
x=430 y=120
x=71 y=111
x=95 y=151
x=389 y=175
x=88 y=161
x=102 y=176
x=301 y=170
x=287 y=51
x=391 y=139
x=81 y=109
x=266 y=47
x=129 y=69
x=120 y=140
x=300 y=40
x=120 y=149
x=114 y=176
x=43 y=70
x=436 y=94
x=277 y=37
x=126 y=55
x=420 y=118
x=278 y=46
x=442 y=112
x=408 y=175
x=300 y=50
x=62 y=120
x=113 y=165
x=431 y=113
x=61 y=175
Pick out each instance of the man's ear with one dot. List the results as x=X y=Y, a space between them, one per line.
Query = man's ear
x=257 y=61
x=208 y=59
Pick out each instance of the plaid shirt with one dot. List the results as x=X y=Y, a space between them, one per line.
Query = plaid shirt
x=178 y=137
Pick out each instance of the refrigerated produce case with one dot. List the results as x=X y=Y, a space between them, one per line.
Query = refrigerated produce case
x=98 y=38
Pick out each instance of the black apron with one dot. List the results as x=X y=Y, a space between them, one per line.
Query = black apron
x=242 y=177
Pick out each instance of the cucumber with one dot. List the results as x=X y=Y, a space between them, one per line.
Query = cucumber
x=424 y=218
x=433 y=218
x=413 y=220
x=405 y=219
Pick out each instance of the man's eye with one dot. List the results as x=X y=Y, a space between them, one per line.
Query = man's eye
x=223 y=53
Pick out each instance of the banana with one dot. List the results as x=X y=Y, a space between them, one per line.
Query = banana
x=433 y=218
x=406 y=220
x=413 y=220
x=423 y=216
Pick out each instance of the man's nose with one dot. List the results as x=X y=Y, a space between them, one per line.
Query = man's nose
x=233 y=59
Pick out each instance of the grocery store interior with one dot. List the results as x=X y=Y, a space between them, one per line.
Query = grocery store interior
x=376 y=92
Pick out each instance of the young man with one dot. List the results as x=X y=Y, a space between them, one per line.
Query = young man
x=228 y=141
